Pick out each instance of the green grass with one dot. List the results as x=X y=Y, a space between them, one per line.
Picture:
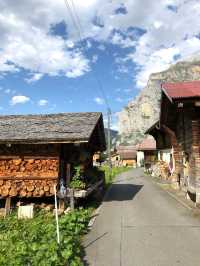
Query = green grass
x=110 y=175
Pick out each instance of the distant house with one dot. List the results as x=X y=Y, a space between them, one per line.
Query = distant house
x=179 y=130
x=97 y=159
x=128 y=155
x=147 y=153
x=164 y=149
x=38 y=151
x=115 y=158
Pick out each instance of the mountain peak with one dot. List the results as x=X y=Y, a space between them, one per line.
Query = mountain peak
x=143 y=110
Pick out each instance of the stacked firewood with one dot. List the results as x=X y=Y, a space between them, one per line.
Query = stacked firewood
x=27 y=188
x=28 y=168
x=161 y=169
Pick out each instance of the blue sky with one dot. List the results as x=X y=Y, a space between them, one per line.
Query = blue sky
x=46 y=68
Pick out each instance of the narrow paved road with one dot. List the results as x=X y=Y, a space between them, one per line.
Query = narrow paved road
x=141 y=225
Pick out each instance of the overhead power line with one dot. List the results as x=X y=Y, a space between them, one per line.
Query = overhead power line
x=74 y=19
x=77 y=24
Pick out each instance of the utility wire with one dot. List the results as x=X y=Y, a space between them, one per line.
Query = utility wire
x=74 y=20
x=76 y=15
x=77 y=23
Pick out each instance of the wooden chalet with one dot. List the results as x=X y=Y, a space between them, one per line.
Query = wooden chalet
x=148 y=148
x=37 y=151
x=127 y=155
x=179 y=129
x=115 y=158
x=164 y=149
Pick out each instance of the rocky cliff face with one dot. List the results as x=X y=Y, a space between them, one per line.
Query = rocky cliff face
x=143 y=111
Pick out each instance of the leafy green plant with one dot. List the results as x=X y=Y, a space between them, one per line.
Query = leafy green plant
x=76 y=182
x=33 y=242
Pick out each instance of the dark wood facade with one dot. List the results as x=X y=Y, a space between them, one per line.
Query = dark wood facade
x=148 y=147
x=179 y=129
x=31 y=167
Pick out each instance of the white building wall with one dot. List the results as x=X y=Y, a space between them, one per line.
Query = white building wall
x=165 y=155
x=140 y=158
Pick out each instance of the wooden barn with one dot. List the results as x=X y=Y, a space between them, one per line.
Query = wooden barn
x=38 y=151
x=127 y=155
x=163 y=147
x=179 y=129
x=150 y=154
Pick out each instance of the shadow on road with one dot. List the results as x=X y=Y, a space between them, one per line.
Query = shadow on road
x=89 y=244
x=92 y=242
x=122 y=192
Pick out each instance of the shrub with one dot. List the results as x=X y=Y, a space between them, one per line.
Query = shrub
x=76 y=181
x=33 y=242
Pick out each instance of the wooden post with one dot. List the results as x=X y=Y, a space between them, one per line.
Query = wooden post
x=7 y=205
x=72 y=199
x=61 y=205
x=68 y=174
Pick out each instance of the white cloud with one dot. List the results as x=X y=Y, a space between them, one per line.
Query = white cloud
x=42 y=102
x=101 y=47
x=7 y=91
x=94 y=58
x=27 y=42
x=158 y=24
x=121 y=41
x=35 y=77
x=115 y=126
x=99 y=100
x=19 y=99
x=70 y=43
x=123 y=69
x=173 y=33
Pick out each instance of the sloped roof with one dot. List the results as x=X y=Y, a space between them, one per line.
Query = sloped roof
x=147 y=144
x=155 y=126
x=50 y=128
x=178 y=90
x=127 y=152
x=126 y=147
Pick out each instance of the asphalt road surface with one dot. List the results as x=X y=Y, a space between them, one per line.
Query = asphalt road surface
x=139 y=224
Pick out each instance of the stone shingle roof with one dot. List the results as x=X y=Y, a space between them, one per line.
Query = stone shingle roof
x=50 y=128
x=147 y=144
x=127 y=152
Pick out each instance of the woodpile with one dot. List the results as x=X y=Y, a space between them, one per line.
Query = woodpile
x=161 y=169
x=17 y=168
x=27 y=188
